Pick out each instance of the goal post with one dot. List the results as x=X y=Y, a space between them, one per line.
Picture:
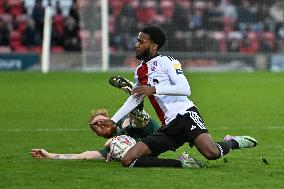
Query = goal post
x=45 y=56
x=94 y=34
x=105 y=37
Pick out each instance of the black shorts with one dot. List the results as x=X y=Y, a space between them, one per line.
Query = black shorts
x=182 y=129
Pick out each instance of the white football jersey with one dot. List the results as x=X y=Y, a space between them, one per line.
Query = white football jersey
x=172 y=89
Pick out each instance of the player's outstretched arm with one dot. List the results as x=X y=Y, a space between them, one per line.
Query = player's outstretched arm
x=87 y=155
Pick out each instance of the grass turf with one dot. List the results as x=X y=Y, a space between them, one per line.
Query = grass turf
x=51 y=111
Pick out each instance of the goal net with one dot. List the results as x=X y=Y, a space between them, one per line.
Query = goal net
x=94 y=34
x=222 y=34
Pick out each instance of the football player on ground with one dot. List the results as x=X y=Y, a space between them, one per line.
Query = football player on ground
x=137 y=124
x=161 y=79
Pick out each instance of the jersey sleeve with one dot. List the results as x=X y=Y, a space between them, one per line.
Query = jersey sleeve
x=104 y=151
x=180 y=85
x=131 y=103
x=136 y=81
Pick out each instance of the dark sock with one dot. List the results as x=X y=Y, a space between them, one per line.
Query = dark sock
x=232 y=144
x=223 y=147
x=151 y=161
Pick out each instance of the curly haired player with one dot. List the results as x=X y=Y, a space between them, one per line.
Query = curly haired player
x=161 y=78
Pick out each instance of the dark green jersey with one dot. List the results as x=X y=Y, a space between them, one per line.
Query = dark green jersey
x=136 y=133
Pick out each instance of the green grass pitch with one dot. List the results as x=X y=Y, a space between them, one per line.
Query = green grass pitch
x=51 y=111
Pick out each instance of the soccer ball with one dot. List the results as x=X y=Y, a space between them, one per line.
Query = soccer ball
x=120 y=145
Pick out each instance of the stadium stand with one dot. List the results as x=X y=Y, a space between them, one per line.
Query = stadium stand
x=22 y=30
x=245 y=26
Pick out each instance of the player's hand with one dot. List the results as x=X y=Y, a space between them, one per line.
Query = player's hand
x=109 y=158
x=104 y=122
x=108 y=142
x=143 y=90
x=39 y=153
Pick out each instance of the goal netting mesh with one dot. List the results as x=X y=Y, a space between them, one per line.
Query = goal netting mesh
x=200 y=33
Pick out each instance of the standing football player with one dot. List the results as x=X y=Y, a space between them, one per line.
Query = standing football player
x=161 y=79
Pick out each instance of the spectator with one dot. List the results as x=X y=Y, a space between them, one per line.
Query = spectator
x=245 y=15
x=4 y=34
x=6 y=16
x=249 y=43
x=146 y=13
x=267 y=41
x=197 y=20
x=38 y=16
x=58 y=28
x=230 y=16
x=180 y=15
x=180 y=21
x=30 y=36
x=116 y=6
x=6 y=6
x=71 y=35
x=234 y=41
x=125 y=26
x=230 y=11
x=74 y=12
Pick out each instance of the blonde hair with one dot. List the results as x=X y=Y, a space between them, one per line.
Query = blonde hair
x=101 y=111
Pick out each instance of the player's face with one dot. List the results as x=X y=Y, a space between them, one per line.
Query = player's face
x=101 y=129
x=143 y=46
x=99 y=117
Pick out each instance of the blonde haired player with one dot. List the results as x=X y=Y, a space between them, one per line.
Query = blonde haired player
x=137 y=124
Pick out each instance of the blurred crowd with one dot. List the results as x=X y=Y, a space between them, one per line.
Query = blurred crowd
x=21 y=31
x=247 y=26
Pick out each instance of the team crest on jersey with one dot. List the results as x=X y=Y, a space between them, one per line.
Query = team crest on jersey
x=154 y=66
x=178 y=69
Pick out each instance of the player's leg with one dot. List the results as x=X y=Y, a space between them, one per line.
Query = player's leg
x=138 y=150
x=209 y=149
x=213 y=150
x=241 y=141
x=141 y=156
x=145 y=152
x=121 y=83
x=199 y=137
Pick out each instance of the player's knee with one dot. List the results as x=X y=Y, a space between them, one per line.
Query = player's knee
x=138 y=150
x=126 y=161
x=211 y=154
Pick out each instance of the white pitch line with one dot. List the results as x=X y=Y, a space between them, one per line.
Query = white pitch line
x=40 y=130
x=256 y=128
x=65 y=129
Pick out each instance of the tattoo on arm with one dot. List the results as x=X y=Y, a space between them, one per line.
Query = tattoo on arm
x=66 y=156
x=70 y=156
